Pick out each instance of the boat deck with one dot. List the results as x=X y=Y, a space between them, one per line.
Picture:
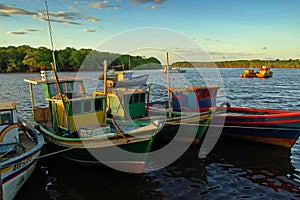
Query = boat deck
x=26 y=144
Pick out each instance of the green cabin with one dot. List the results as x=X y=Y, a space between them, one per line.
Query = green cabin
x=77 y=110
x=127 y=103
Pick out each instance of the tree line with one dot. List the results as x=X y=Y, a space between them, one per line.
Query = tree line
x=29 y=59
x=242 y=64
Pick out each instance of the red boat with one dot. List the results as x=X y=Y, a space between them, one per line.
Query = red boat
x=277 y=127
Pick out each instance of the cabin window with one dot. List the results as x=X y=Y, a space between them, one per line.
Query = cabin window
x=143 y=97
x=131 y=99
x=78 y=87
x=67 y=87
x=136 y=98
x=87 y=106
x=5 y=117
x=98 y=105
x=53 y=90
x=76 y=107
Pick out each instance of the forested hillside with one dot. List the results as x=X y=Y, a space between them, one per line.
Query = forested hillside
x=242 y=64
x=28 y=59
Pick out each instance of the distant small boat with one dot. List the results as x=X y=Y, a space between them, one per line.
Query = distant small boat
x=264 y=72
x=248 y=73
x=124 y=79
x=277 y=127
x=173 y=70
x=20 y=146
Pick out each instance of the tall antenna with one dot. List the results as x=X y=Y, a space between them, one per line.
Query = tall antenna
x=51 y=40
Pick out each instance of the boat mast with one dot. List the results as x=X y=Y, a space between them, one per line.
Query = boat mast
x=51 y=40
x=54 y=70
x=168 y=77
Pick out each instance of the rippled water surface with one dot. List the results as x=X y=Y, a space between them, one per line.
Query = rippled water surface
x=233 y=170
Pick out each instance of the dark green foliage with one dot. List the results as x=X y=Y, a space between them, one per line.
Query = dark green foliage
x=28 y=59
x=242 y=64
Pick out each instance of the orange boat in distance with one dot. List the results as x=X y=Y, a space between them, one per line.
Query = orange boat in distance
x=248 y=73
x=264 y=72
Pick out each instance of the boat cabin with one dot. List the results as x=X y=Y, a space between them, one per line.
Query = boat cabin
x=72 y=112
x=194 y=98
x=127 y=103
x=9 y=134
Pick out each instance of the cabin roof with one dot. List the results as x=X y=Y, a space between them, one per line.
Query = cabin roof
x=125 y=91
x=60 y=78
x=7 y=106
x=193 y=88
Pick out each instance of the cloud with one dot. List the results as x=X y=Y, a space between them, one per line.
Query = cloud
x=151 y=7
x=89 y=30
x=32 y=29
x=147 y=1
x=8 y=11
x=211 y=40
x=104 y=5
x=89 y=18
x=24 y=31
x=60 y=15
x=17 y=32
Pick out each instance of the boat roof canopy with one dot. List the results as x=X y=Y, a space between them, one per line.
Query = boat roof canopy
x=7 y=106
x=60 y=78
x=193 y=88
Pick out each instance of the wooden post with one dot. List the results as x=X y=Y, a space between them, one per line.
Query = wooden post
x=1 y=189
x=105 y=76
x=148 y=100
x=168 y=77
x=31 y=98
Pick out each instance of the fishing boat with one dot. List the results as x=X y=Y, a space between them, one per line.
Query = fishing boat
x=277 y=127
x=124 y=79
x=264 y=72
x=248 y=73
x=191 y=104
x=74 y=122
x=20 y=148
x=135 y=109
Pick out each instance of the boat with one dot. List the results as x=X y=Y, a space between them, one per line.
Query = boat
x=248 y=73
x=20 y=148
x=124 y=79
x=74 y=124
x=264 y=72
x=191 y=105
x=276 y=127
x=169 y=69
x=137 y=111
x=173 y=69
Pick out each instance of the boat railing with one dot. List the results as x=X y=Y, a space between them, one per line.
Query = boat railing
x=47 y=75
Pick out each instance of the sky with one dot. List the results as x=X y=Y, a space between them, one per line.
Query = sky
x=223 y=29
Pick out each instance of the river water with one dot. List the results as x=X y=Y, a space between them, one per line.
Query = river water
x=232 y=170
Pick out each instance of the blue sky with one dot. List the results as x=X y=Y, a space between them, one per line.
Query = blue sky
x=225 y=29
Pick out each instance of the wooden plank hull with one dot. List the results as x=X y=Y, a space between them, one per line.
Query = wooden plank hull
x=275 y=127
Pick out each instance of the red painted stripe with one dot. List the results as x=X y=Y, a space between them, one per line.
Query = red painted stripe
x=268 y=122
